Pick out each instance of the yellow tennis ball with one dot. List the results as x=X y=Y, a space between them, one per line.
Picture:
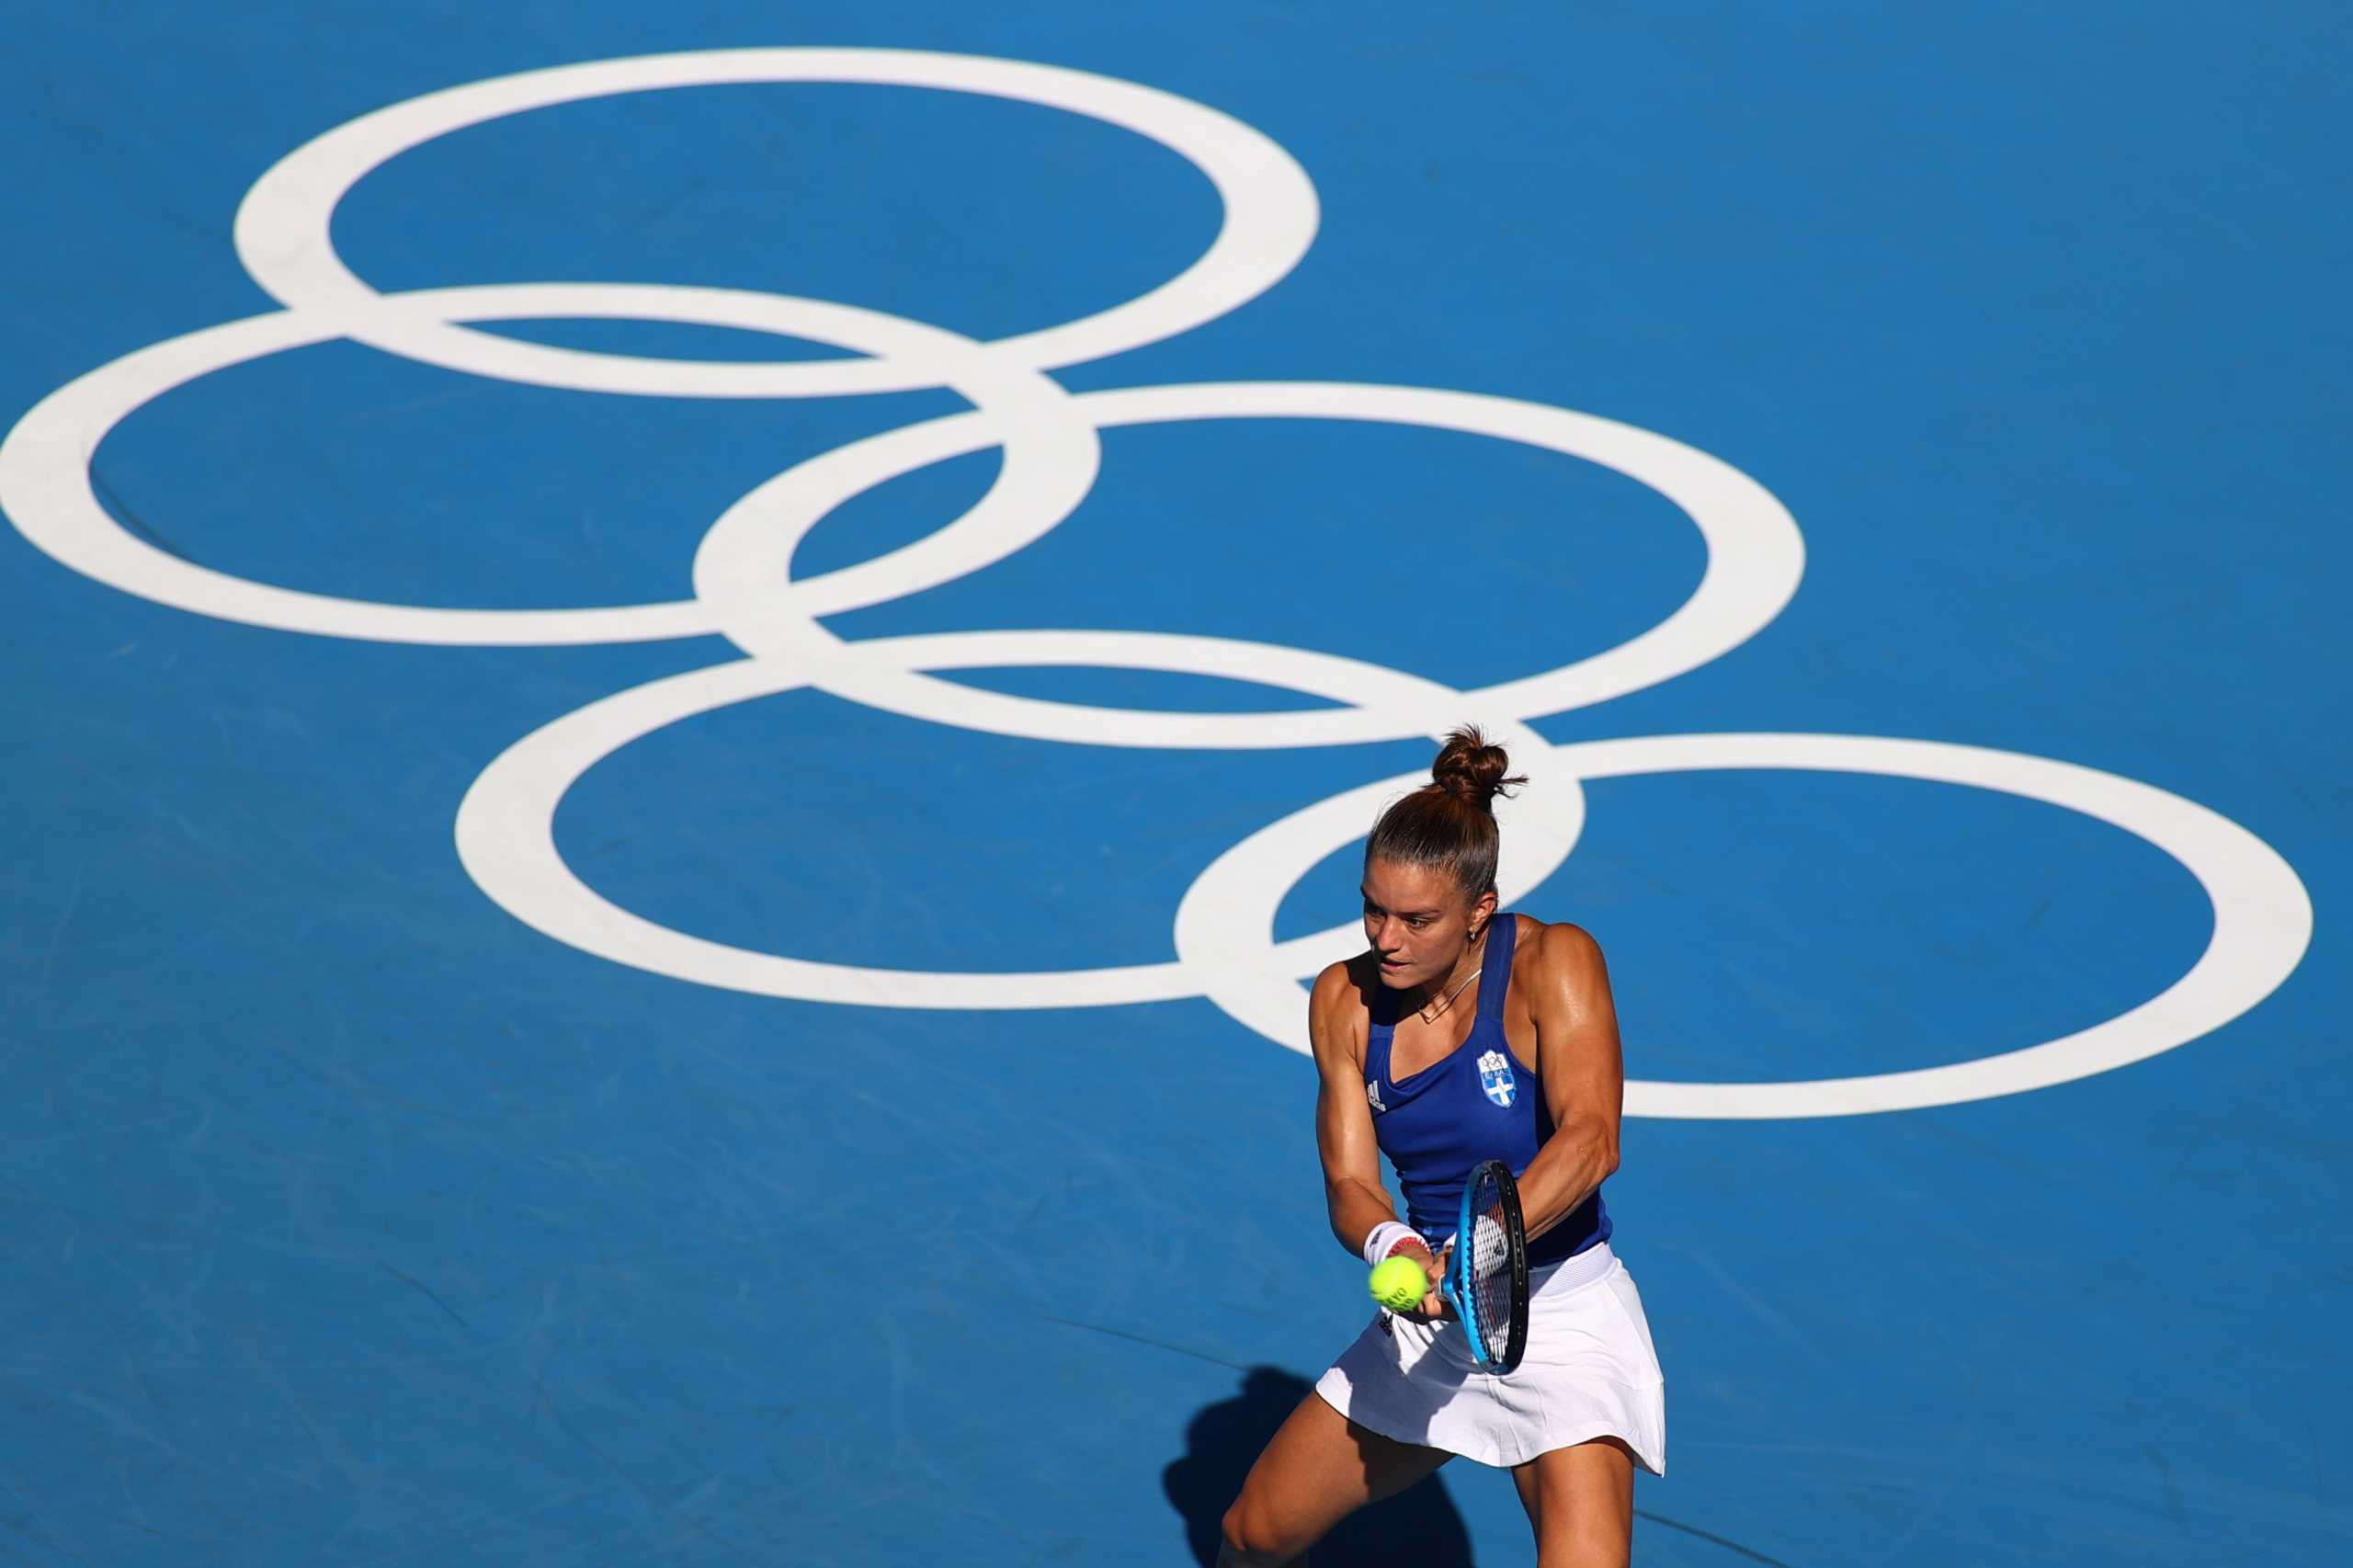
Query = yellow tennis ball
x=1399 y=1283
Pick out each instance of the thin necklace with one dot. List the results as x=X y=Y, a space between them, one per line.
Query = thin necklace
x=1430 y=1015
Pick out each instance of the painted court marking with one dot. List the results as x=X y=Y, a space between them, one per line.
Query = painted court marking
x=1222 y=932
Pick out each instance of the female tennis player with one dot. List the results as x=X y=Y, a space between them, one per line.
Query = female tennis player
x=1462 y=1035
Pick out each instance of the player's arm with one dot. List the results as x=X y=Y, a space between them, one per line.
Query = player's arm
x=1577 y=1056
x=1353 y=1195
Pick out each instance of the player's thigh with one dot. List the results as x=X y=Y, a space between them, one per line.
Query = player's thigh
x=1581 y=1501
x=1318 y=1469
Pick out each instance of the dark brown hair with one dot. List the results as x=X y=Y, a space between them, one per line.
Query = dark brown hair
x=1449 y=823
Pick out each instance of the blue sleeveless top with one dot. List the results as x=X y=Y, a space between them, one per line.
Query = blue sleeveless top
x=1479 y=1102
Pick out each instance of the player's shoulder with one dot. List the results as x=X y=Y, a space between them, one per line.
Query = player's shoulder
x=1336 y=1009
x=1333 y=984
x=1340 y=992
x=1556 y=948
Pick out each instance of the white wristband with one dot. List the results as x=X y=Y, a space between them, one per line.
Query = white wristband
x=1386 y=1238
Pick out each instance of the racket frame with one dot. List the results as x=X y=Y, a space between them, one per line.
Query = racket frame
x=1459 y=1286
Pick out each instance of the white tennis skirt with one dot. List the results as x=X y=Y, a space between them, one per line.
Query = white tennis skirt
x=1589 y=1371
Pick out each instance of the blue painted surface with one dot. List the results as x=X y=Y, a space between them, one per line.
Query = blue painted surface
x=348 y=1222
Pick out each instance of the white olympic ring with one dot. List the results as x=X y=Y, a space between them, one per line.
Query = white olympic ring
x=1754 y=558
x=1223 y=930
x=45 y=463
x=282 y=228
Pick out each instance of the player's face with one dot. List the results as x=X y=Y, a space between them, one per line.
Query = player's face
x=1418 y=921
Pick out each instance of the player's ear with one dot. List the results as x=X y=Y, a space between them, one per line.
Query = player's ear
x=1483 y=909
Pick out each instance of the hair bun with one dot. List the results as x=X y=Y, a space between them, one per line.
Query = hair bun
x=1470 y=769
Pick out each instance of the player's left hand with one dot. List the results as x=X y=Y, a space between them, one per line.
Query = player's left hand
x=1435 y=1307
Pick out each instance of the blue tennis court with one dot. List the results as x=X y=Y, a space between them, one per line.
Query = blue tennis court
x=690 y=688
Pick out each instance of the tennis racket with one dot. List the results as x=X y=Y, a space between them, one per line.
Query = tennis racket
x=1486 y=1276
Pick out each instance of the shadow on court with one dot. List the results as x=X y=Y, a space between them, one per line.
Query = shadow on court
x=1419 y=1526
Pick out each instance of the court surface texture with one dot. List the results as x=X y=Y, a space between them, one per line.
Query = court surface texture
x=688 y=685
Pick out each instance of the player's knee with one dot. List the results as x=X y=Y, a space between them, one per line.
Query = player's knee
x=1249 y=1541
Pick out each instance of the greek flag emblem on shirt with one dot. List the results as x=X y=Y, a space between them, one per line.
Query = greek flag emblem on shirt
x=1495 y=1076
